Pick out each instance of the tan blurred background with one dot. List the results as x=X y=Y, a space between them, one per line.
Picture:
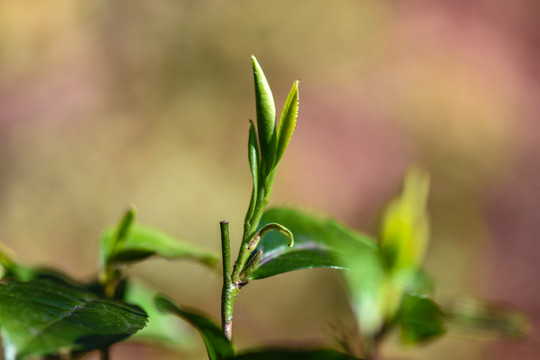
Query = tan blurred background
x=109 y=103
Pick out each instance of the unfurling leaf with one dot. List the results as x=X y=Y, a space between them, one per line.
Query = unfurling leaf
x=217 y=345
x=287 y=123
x=266 y=116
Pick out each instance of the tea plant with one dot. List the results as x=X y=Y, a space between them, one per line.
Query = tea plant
x=44 y=313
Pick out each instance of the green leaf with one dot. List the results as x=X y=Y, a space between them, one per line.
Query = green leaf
x=217 y=345
x=143 y=242
x=254 y=162
x=45 y=317
x=266 y=116
x=286 y=354
x=485 y=317
x=318 y=243
x=419 y=319
x=287 y=122
x=161 y=328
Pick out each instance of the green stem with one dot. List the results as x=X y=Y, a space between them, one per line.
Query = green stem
x=250 y=228
x=229 y=291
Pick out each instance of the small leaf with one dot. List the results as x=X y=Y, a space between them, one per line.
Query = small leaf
x=217 y=345
x=117 y=236
x=419 y=319
x=44 y=317
x=293 y=354
x=287 y=123
x=318 y=243
x=143 y=242
x=161 y=328
x=266 y=116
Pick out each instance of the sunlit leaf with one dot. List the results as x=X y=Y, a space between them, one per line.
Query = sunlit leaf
x=143 y=242
x=217 y=345
x=44 y=317
x=291 y=354
x=317 y=243
x=287 y=122
x=266 y=116
x=419 y=319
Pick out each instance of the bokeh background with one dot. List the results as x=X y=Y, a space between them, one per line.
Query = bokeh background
x=109 y=103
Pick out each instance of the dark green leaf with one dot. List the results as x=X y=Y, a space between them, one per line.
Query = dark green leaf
x=161 y=328
x=266 y=116
x=143 y=242
x=419 y=319
x=44 y=317
x=317 y=243
x=286 y=354
x=287 y=123
x=217 y=345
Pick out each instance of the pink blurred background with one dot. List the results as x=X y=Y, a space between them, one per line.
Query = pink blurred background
x=107 y=103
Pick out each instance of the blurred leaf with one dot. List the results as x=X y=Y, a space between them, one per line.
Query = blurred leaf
x=286 y=354
x=44 y=317
x=161 y=328
x=143 y=242
x=287 y=123
x=217 y=345
x=266 y=116
x=405 y=228
x=419 y=319
x=318 y=243
x=377 y=280
x=486 y=317
x=367 y=284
